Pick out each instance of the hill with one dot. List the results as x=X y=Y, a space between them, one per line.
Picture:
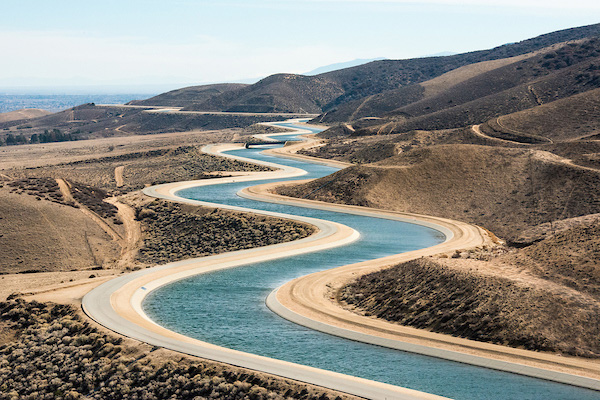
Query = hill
x=277 y=93
x=188 y=96
x=573 y=118
x=542 y=298
x=522 y=83
x=21 y=115
x=89 y=121
x=42 y=235
x=325 y=92
x=502 y=189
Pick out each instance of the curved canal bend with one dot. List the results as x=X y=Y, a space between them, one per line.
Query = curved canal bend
x=227 y=308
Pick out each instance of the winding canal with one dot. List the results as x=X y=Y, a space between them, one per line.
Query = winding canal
x=227 y=307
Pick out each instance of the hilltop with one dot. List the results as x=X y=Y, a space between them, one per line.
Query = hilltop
x=379 y=97
x=327 y=92
x=188 y=96
x=21 y=115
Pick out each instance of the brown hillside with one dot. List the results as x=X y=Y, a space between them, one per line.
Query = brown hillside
x=379 y=104
x=543 y=297
x=89 y=121
x=139 y=169
x=504 y=190
x=514 y=74
x=24 y=114
x=550 y=75
x=502 y=91
x=575 y=117
x=188 y=96
x=451 y=298
x=277 y=93
x=40 y=235
x=569 y=257
x=373 y=148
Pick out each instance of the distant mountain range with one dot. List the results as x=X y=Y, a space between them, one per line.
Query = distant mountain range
x=546 y=78
x=395 y=89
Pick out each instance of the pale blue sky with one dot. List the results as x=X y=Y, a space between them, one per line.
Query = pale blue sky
x=194 y=41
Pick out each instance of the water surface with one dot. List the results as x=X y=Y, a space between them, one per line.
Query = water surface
x=227 y=307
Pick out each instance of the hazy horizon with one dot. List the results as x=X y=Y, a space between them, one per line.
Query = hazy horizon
x=151 y=43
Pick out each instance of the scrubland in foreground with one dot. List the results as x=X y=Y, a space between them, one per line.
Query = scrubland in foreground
x=48 y=351
x=66 y=224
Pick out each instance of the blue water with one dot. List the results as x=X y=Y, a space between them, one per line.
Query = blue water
x=227 y=308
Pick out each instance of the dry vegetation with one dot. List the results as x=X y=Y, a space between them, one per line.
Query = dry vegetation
x=41 y=188
x=541 y=295
x=89 y=121
x=174 y=231
x=22 y=115
x=567 y=119
x=555 y=73
x=49 y=352
x=545 y=297
x=504 y=190
x=55 y=236
x=513 y=179
x=140 y=169
x=370 y=149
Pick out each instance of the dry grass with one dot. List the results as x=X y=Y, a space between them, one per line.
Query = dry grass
x=26 y=113
x=370 y=149
x=567 y=119
x=139 y=169
x=46 y=236
x=568 y=257
x=444 y=82
x=31 y=156
x=544 y=297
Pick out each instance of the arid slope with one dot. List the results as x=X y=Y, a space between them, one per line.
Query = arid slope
x=504 y=190
x=545 y=297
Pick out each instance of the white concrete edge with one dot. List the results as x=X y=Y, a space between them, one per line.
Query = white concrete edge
x=365 y=213
x=343 y=383
x=142 y=292
x=274 y=305
x=106 y=315
x=250 y=258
